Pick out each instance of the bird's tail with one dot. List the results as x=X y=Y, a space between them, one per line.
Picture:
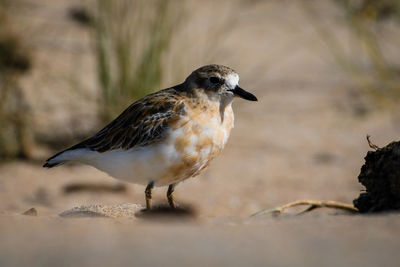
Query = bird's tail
x=50 y=165
x=70 y=154
x=56 y=160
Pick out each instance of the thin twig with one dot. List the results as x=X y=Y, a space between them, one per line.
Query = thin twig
x=313 y=205
x=372 y=145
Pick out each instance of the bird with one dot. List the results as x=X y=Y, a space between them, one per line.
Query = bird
x=167 y=136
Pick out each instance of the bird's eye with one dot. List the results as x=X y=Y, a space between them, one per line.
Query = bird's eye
x=215 y=80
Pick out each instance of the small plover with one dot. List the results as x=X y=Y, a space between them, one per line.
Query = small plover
x=165 y=137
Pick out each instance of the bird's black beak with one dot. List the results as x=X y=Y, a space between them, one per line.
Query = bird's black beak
x=243 y=94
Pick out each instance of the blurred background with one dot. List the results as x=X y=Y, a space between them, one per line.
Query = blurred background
x=326 y=73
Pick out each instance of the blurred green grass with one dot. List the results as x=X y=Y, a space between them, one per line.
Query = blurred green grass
x=130 y=40
x=372 y=73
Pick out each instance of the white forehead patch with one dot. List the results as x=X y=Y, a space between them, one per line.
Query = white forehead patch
x=232 y=80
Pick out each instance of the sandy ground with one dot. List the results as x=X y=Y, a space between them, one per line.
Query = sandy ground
x=304 y=139
x=310 y=240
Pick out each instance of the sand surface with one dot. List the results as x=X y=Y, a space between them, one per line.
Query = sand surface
x=312 y=240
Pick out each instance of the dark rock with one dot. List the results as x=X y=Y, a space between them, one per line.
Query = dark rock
x=381 y=177
x=31 y=212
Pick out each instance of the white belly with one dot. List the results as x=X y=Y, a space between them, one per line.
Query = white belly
x=139 y=165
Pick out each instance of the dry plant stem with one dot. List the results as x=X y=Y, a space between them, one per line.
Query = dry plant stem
x=372 y=145
x=313 y=205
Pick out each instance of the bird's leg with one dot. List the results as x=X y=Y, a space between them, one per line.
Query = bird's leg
x=170 y=195
x=148 y=195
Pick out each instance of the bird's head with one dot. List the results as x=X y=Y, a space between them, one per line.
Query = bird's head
x=217 y=81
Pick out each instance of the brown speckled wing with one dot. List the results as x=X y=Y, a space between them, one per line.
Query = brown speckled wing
x=142 y=123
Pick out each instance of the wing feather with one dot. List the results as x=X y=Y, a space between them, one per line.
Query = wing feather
x=142 y=123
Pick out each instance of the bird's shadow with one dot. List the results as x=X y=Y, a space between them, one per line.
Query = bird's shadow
x=166 y=212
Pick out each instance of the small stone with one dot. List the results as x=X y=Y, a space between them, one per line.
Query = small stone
x=124 y=210
x=31 y=212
